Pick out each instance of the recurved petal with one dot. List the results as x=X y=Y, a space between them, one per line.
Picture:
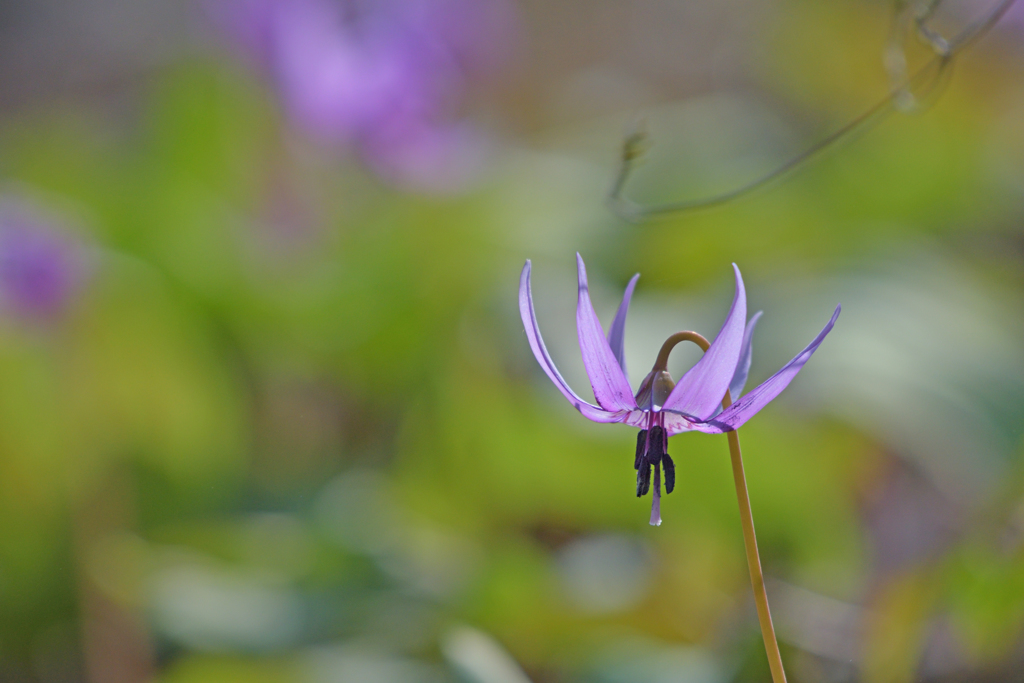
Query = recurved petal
x=611 y=389
x=529 y=316
x=739 y=380
x=748 y=406
x=617 y=332
x=702 y=388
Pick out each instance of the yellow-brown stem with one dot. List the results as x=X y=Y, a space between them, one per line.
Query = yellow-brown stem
x=764 y=616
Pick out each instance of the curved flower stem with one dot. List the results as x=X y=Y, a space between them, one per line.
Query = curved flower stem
x=764 y=616
x=662 y=361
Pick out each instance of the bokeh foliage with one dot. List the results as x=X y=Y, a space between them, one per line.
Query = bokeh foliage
x=291 y=430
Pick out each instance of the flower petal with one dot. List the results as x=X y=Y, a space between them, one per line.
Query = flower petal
x=702 y=388
x=745 y=408
x=617 y=332
x=739 y=380
x=611 y=389
x=529 y=316
x=677 y=424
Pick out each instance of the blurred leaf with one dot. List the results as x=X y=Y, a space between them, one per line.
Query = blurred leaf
x=205 y=669
x=145 y=379
x=987 y=600
x=899 y=628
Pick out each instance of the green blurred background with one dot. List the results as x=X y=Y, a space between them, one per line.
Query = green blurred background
x=282 y=422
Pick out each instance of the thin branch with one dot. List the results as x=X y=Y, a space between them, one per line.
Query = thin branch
x=927 y=80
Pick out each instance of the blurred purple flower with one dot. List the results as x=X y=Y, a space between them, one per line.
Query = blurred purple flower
x=661 y=407
x=1011 y=17
x=1015 y=14
x=381 y=75
x=39 y=268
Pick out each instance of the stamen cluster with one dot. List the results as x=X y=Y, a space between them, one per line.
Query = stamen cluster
x=652 y=452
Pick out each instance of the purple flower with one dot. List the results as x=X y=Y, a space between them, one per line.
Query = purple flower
x=381 y=75
x=1015 y=15
x=39 y=268
x=661 y=407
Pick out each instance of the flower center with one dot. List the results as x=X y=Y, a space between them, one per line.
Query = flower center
x=654 y=390
x=652 y=443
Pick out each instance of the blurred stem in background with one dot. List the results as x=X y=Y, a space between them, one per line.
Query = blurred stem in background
x=909 y=93
x=115 y=642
